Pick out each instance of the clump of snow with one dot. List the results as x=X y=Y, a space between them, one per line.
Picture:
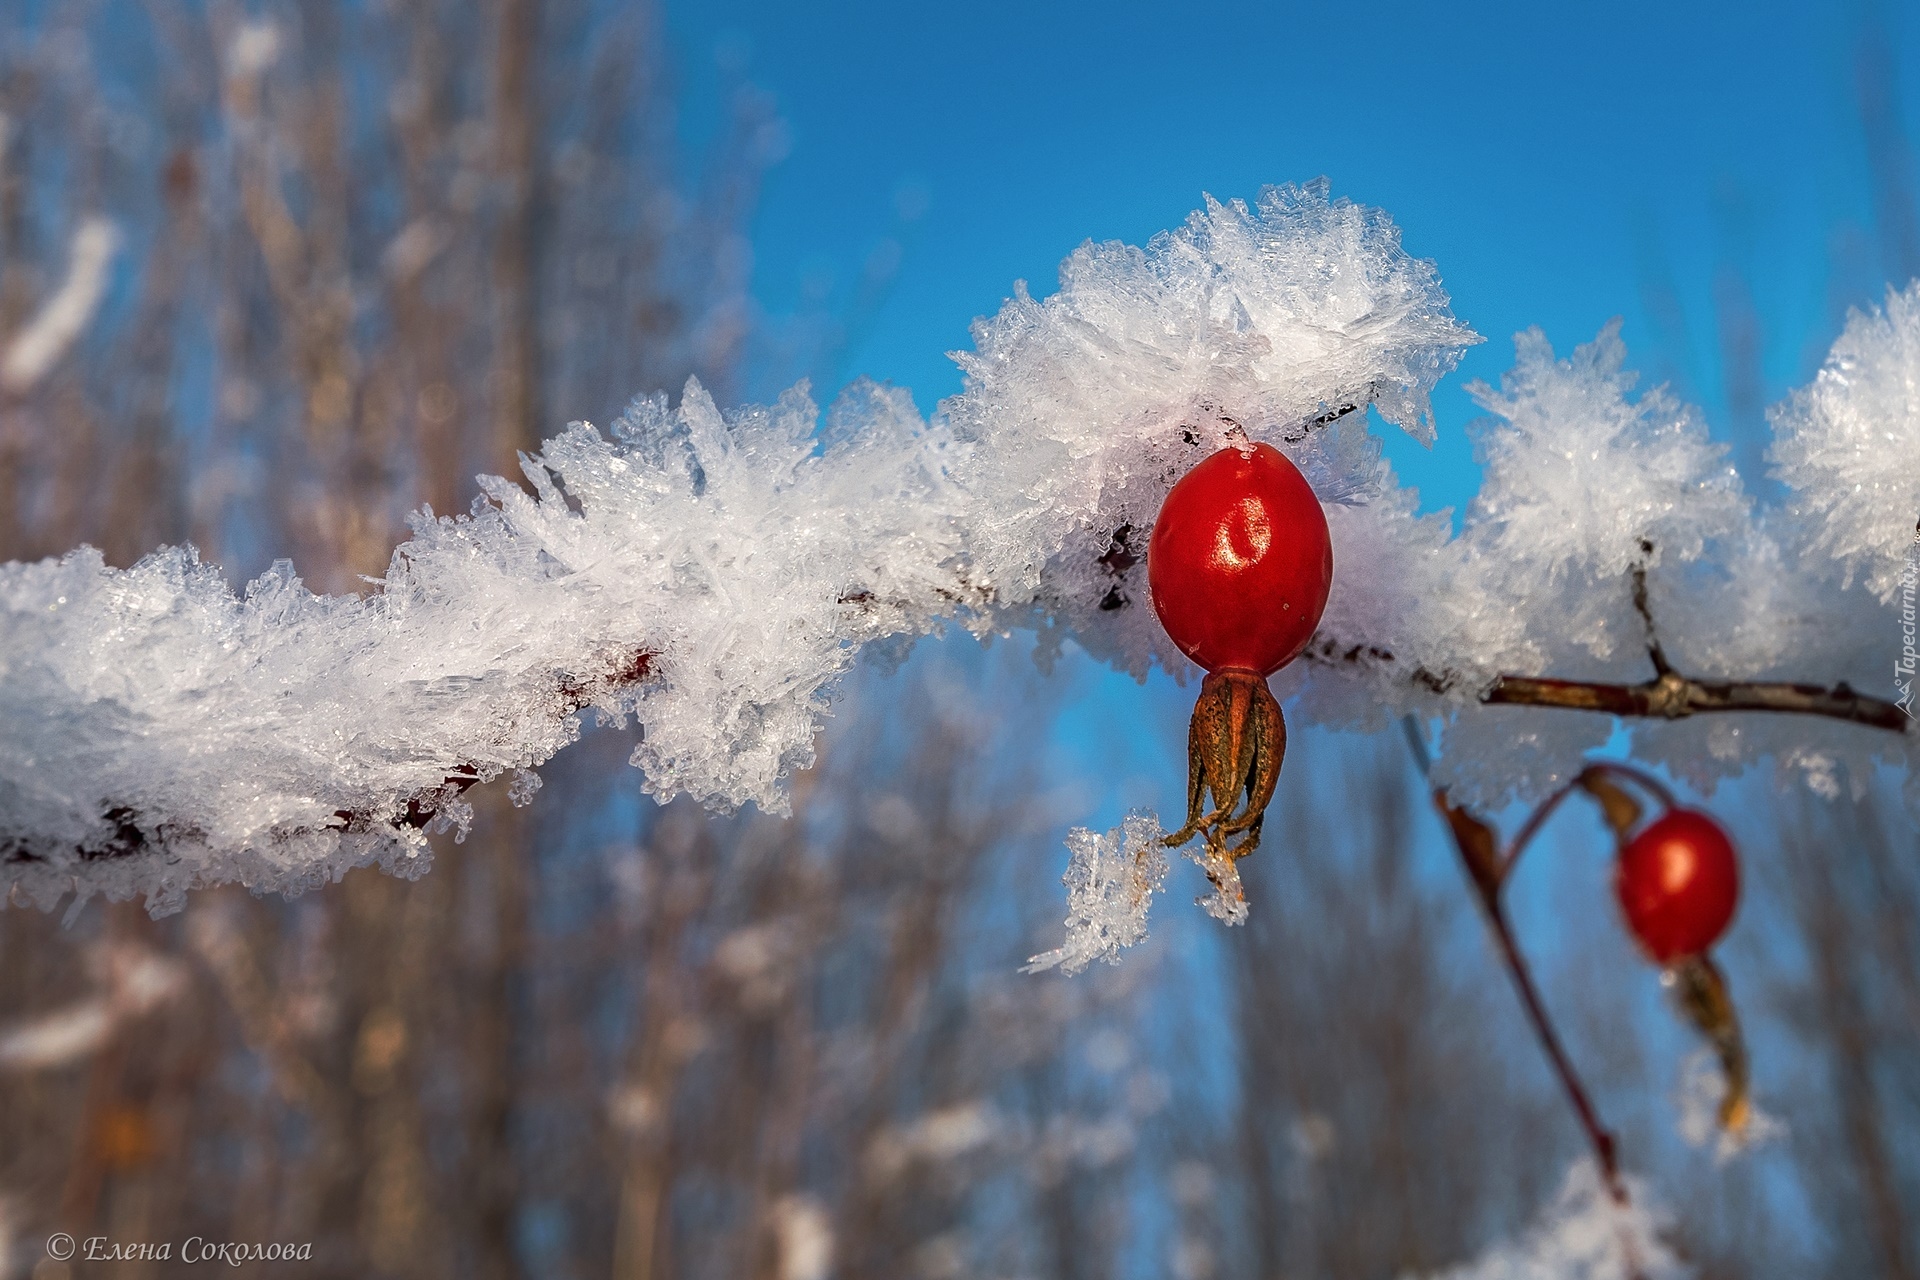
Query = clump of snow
x=1226 y=900
x=1111 y=880
x=1847 y=444
x=1583 y=1235
x=1697 y=1099
x=1081 y=410
x=1578 y=474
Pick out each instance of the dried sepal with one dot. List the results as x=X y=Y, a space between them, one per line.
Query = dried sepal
x=1479 y=846
x=1235 y=745
x=1701 y=991
x=1621 y=810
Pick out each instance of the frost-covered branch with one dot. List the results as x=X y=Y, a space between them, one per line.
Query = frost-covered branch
x=164 y=732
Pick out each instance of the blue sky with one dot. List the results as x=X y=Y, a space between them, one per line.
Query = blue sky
x=1562 y=163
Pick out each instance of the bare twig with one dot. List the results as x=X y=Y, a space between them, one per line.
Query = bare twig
x=1675 y=696
x=1668 y=695
x=1486 y=870
x=1585 y=779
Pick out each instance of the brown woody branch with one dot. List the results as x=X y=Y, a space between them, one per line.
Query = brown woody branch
x=1669 y=695
x=1675 y=696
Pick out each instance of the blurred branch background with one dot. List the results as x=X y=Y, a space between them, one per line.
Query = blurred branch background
x=273 y=276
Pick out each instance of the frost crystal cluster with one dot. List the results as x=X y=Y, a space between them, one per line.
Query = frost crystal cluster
x=712 y=574
x=1583 y=1235
x=1111 y=880
x=1585 y=484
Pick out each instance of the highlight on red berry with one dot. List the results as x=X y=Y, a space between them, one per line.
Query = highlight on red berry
x=1678 y=882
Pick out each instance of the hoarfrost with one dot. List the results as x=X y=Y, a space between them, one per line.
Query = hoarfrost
x=1111 y=880
x=1849 y=444
x=1582 y=1235
x=711 y=575
x=1578 y=475
x=1702 y=1087
x=1227 y=902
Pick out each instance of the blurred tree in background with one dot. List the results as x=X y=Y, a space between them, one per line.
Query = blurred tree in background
x=321 y=261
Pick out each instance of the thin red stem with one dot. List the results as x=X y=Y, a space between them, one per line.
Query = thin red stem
x=1639 y=777
x=1538 y=818
x=1597 y=1133
x=1473 y=840
x=1534 y=822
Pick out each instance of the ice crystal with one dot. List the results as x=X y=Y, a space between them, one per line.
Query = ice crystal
x=712 y=574
x=1582 y=1235
x=1111 y=880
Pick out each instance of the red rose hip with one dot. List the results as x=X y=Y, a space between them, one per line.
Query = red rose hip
x=1240 y=561
x=1239 y=565
x=1678 y=882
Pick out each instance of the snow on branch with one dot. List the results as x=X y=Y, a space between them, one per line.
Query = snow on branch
x=1614 y=562
x=709 y=574
x=1849 y=445
x=713 y=574
x=1583 y=1235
